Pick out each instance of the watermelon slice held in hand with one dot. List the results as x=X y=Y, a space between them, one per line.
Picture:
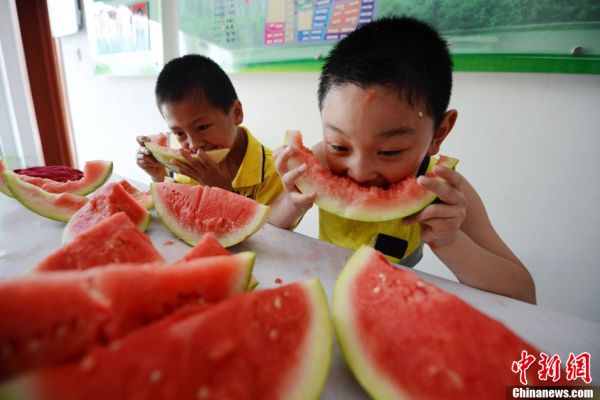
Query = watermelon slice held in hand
x=3 y=188
x=192 y=211
x=56 y=206
x=405 y=338
x=342 y=196
x=112 y=240
x=166 y=155
x=107 y=201
x=270 y=344
x=55 y=317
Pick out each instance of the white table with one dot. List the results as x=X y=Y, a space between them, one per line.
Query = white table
x=26 y=238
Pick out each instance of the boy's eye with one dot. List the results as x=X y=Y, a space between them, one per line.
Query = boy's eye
x=389 y=153
x=338 y=148
x=177 y=133
x=202 y=127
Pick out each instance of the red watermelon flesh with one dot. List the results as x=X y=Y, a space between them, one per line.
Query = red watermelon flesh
x=95 y=173
x=113 y=240
x=47 y=318
x=50 y=318
x=270 y=344
x=405 y=338
x=144 y=198
x=109 y=200
x=343 y=196
x=206 y=247
x=192 y=211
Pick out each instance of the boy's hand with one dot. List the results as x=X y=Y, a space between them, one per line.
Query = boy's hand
x=440 y=222
x=148 y=163
x=203 y=169
x=301 y=202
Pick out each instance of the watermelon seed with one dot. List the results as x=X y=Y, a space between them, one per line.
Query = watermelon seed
x=273 y=334
x=203 y=393
x=87 y=363
x=277 y=302
x=34 y=346
x=61 y=331
x=421 y=284
x=286 y=293
x=376 y=289
x=397 y=282
x=155 y=376
x=382 y=277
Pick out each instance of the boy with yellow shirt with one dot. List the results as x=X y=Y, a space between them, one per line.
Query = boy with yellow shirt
x=383 y=95
x=201 y=108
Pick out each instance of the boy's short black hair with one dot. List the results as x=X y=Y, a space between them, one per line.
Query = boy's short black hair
x=193 y=77
x=400 y=52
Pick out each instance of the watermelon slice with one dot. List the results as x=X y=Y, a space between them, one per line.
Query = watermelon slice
x=342 y=196
x=107 y=201
x=54 y=317
x=269 y=344
x=95 y=173
x=192 y=211
x=59 y=207
x=405 y=338
x=144 y=198
x=209 y=246
x=3 y=188
x=160 y=139
x=165 y=155
x=113 y=240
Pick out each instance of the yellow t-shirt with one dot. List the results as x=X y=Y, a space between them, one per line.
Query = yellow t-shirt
x=256 y=178
x=399 y=242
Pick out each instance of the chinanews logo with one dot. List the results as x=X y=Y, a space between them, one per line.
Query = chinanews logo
x=577 y=370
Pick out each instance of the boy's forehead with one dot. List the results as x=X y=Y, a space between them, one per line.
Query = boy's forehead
x=349 y=94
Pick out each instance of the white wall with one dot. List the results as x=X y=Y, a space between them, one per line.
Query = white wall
x=527 y=142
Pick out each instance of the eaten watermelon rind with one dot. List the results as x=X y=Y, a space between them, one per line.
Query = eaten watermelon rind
x=372 y=380
x=3 y=188
x=42 y=202
x=311 y=377
x=192 y=238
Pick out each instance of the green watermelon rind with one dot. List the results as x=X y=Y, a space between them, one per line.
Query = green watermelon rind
x=192 y=238
x=249 y=259
x=372 y=380
x=3 y=188
x=311 y=377
x=93 y=186
x=360 y=209
x=166 y=155
x=37 y=199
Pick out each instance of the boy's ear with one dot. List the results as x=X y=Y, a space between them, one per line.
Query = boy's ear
x=442 y=131
x=238 y=112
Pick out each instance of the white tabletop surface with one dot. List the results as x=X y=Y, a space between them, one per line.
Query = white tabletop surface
x=26 y=239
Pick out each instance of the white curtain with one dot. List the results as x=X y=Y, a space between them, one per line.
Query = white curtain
x=19 y=135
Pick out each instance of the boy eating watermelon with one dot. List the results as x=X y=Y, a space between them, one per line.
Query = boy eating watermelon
x=383 y=96
x=200 y=105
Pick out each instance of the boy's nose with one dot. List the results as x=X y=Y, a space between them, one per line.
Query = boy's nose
x=195 y=142
x=360 y=170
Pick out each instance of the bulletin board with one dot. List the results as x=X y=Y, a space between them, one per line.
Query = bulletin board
x=484 y=35
x=296 y=35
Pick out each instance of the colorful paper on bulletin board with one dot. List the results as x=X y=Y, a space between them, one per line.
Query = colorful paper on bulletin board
x=124 y=37
x=484 y=35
